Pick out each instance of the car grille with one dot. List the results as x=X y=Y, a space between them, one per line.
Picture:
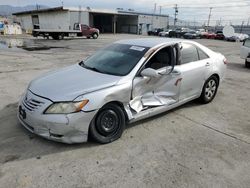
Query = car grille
x=30 y=103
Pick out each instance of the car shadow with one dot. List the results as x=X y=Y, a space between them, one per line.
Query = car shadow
x=238 y=67
x=18 y=144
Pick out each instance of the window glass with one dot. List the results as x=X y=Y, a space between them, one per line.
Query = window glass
x=188 y=53
x=117 y=59
x=202 y=55
x=160 y=59
x=247 y=43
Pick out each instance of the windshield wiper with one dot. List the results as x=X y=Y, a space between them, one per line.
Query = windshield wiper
x=90 y=68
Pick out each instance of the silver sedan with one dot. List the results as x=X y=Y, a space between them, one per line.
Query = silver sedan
x=122 y=83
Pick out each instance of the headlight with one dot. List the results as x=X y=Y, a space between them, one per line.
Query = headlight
x=66 y=107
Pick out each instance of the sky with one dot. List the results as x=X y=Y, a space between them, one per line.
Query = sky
x=223 y=11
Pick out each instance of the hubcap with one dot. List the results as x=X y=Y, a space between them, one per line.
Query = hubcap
x=107 y=122
x=210 y=89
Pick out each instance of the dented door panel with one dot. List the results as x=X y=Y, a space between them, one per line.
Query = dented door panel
x=153 y=92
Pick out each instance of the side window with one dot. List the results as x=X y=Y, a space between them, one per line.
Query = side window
x=202 y=55
x=85 y=27
x=189 y=53
x=161 y=59
x=247 y=43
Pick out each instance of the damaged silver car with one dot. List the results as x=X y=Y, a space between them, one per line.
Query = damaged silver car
x=122 y=83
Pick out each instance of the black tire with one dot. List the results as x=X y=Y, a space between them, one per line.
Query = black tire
x=95 y=35
x=61 y=37
x=108 y=125
x=209 y=90
x=55 y=37
x=247 y=64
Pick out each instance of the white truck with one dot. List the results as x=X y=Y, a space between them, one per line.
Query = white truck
x=78 y=31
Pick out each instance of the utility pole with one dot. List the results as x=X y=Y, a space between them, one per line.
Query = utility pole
x=153 y=16
x=175 y=14
x=248 y=21
x=209 y=16
x=241 y=26
x=160 y=10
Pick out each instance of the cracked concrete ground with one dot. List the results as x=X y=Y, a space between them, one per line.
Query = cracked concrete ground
x=192 y=146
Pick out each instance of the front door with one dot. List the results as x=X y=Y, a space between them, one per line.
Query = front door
x=158 y=91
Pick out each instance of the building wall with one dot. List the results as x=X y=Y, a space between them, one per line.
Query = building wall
x=76 y=17
x=147 y=22
x=65 y=20
x=127 y=24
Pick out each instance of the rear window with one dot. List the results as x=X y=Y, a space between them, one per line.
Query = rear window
x=188 y=53
x=202 y=55
x=247 y=43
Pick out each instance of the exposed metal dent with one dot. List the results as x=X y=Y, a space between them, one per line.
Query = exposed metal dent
x=136 y=104
x=160 y=109
x=140 y=103
x=128 y=111
x=157 y=100
x=151 y=101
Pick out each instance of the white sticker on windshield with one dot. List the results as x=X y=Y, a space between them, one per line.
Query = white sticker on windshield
x=137 y=48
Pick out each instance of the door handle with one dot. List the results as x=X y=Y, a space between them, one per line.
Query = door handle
x=207 y=64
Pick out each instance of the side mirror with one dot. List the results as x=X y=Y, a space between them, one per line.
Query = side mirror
x=165 y=71
x=149 y=72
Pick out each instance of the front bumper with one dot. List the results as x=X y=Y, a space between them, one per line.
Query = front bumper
x=66 y=128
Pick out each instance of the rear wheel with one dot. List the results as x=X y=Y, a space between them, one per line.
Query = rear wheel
x=247 y=64
x=209 y=90
x=108 y=125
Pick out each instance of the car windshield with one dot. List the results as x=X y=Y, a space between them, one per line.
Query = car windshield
x=116 y=59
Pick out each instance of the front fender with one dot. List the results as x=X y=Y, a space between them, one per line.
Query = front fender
x=97 y=99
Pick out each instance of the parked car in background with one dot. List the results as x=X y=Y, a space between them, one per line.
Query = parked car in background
x=200 y=32
x=179 y=32
x=210 y=35
x=155 y=32
x=237 y=37
x=219 y=35
x=245 y=52
x=192 y=35
x=165 y=33
x=125 y=82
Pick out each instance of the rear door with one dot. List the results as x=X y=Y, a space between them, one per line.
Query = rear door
x=193 y=68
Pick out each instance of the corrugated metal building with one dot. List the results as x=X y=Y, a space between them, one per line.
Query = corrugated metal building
x=107 y=21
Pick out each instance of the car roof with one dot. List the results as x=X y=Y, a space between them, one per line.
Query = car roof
x=151 y=42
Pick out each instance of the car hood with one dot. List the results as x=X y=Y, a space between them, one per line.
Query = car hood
x=70 y=82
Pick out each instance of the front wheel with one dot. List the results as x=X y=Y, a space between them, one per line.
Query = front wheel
x=95 y=36
x=209 y=90
x=108 y=124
